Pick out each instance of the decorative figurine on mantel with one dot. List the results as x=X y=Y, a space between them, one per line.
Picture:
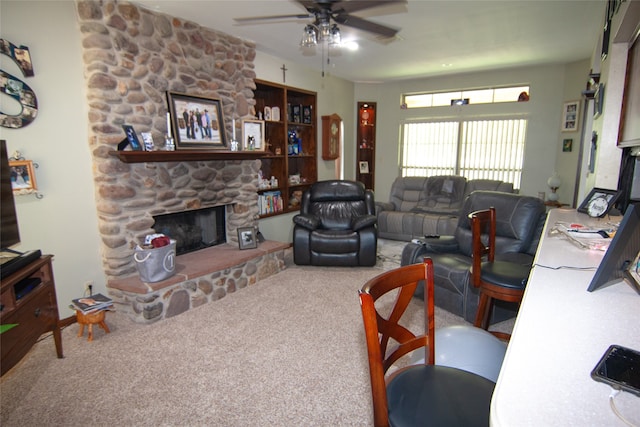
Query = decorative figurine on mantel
x=233 y=144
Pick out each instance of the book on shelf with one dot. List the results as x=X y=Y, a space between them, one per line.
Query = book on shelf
x=92 y=303
x=270 y=202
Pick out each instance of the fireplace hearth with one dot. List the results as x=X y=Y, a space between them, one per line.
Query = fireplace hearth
x=193 y=230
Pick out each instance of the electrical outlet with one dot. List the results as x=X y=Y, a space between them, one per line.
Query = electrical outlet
x=88 y=287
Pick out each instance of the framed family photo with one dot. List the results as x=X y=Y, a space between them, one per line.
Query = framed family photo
x=570 y=116
x=196 y=122
x=247 y=238
x=23 y=177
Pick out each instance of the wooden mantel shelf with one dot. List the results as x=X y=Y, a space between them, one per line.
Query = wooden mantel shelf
x=185 y=155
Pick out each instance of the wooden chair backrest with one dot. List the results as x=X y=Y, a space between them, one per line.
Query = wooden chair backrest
x=483 y=225
x=387 y=340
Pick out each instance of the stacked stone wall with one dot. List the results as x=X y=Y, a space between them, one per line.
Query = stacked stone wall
x=183 y=296
x=132 y=57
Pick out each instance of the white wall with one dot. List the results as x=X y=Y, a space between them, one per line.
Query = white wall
x=544 y=112
x=64 y=221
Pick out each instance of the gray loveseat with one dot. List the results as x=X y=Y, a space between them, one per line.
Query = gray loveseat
x=426 y=206
x=519 y=224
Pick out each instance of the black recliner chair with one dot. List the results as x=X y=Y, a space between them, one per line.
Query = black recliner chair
x=519 y=224
x=336 y=225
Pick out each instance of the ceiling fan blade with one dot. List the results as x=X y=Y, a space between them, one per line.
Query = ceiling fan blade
x=272 y=17
x=358 y=5
x=365 y=25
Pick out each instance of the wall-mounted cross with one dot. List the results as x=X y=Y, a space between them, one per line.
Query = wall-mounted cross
x=284 y=73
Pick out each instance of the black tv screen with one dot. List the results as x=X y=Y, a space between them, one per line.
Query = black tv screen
x=621 y=254
x=9 y=232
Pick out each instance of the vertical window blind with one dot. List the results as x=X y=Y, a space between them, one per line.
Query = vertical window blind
x=475 y=149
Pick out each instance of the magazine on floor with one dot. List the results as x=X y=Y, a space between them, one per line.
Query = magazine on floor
x=93 y=303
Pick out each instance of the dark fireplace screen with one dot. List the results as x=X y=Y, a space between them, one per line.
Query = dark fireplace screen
x=193 y=230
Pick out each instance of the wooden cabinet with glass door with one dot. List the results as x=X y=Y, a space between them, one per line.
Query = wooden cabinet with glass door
x=366 y=140
x=290 y=135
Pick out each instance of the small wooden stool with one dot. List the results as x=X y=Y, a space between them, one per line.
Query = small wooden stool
x=96 y=317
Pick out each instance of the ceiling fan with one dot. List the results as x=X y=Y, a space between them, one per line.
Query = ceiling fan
x=339 y=11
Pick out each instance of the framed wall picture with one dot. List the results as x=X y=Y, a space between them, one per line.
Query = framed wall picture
x=570 y=116
x=196 y=122
x=598 y=101
x=247 y=238
x=23 y=177
x=567 y=145
x=253 y=135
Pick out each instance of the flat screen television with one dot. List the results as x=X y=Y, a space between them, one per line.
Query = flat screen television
x=9 y=232
x=620 y=259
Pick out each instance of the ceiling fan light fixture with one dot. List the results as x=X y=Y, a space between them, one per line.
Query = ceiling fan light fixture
x=335 y=38
x=325 y=31
x=309 y=36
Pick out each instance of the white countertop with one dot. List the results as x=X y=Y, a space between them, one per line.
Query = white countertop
x=560 y=333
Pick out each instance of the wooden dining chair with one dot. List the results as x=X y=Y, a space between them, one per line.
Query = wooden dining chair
x=423 y=393
x=497 y=280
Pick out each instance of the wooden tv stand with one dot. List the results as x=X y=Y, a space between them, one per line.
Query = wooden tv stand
x=35 y=312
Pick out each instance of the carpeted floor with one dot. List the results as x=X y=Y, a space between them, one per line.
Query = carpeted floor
x=287 y=351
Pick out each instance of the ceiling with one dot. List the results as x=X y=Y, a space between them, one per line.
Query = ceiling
x=435 y=37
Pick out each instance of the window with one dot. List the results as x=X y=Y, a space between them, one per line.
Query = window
x=477 y=96
x=475 y=149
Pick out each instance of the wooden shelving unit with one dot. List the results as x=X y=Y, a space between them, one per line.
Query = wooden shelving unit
x=366 y=140
x=291 y=143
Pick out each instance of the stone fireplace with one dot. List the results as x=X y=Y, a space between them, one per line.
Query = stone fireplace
x=193 y=230
x=132 y=57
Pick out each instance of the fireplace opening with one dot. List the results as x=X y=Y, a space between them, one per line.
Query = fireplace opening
x=193 y=230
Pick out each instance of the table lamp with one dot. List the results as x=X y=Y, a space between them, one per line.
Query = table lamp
x=554 y=183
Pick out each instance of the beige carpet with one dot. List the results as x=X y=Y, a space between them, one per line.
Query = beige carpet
x=288 y=351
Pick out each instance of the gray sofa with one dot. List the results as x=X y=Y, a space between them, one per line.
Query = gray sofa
x=427 y=206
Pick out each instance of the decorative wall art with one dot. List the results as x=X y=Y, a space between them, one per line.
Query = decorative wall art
x=598 y=101
x=16 y=88
x=23 y=177
x=570 y=116
x=567 y=145
x=197 y=122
